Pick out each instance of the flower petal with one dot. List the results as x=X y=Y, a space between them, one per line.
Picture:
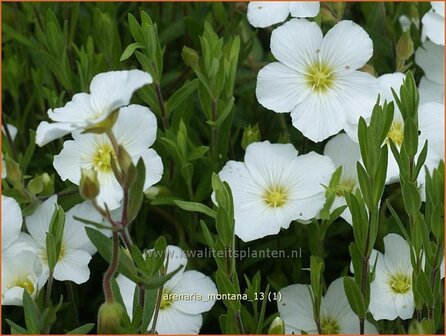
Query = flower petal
x=430 y=57
x=174 y=321
x=295 y=43
x=47 y=132
x=397 y=253
x=303 y=9
x=127 y=289
x=110 y=192
x=346 y=47
x=73 y=266
x=280 y=88
x=431 y=126
x=113 y=89
x=344 y=152
x=11 y=221
x=154 y=167
x=263 y=14
x=135 y=128
x=405 y=305
x=39 y=222
x=75 y=236
x=296 y=308
x=77 y=111
x=433 y=24
x=194 y=283
x=430 y=91
x=319 y=116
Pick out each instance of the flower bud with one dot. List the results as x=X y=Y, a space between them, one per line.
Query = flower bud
x=277 y=327
x=250 y=135
x=404 y=47
x=110 y=318
x=48 y=185
x=13 y=171
x=126 y=166
x=190 y=57
x=89 y=185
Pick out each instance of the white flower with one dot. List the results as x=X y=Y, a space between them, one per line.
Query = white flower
x=275 y=186
x=20 y=271
x=76 y=248
x=11 y=221
x=296 y=310
x=316 y=78
x=430 y=125
x=433 y=22
x=135 y=129
x=108 y=92
x=262 y=14
x=430 y=57
x=344 y=152
x=391 y=294
x=186 y=296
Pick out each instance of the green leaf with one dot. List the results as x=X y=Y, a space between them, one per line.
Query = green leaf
x=157 y=282
x=354 y=297
x=225 y=285
x=104 y=246
x=411 y=197
x=155 y=259
x=130 y=50
x=207 y=235
x=183 y=93
x=16 y=329
x=82 y=330
x=150 y=296
x=32 y=314
x=136 y=193
x=196 y=207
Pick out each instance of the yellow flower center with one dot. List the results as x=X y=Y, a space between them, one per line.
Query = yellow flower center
x=329 y=326
x=102 y=158
x=396 y=133
x=320 y=77
x=400 y=283
x=166 y=300
x=345 y=186
x=275 y=197
x=25 y=283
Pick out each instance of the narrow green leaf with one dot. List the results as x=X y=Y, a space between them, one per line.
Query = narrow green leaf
x=130 y=50
x=82 y=330
x=196 y=207
x=354 y=297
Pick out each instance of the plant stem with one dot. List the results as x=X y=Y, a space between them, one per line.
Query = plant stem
x=72 y=298
x=49 y=287
x=157 y=310
x=106 y=282
x=214 y=131
x=162 y=104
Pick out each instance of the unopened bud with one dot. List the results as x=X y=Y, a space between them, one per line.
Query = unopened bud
x=126 y=166
x=327 y=16
x=89 y=185
x=35 y=186
x=190 y=57
x=250 y=135
x=277 y=327
x=13 y=171
x=110 y=318
x=48 y=185
x=404 y=47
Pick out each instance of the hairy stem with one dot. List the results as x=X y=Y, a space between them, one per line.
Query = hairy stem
x=106 y=282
